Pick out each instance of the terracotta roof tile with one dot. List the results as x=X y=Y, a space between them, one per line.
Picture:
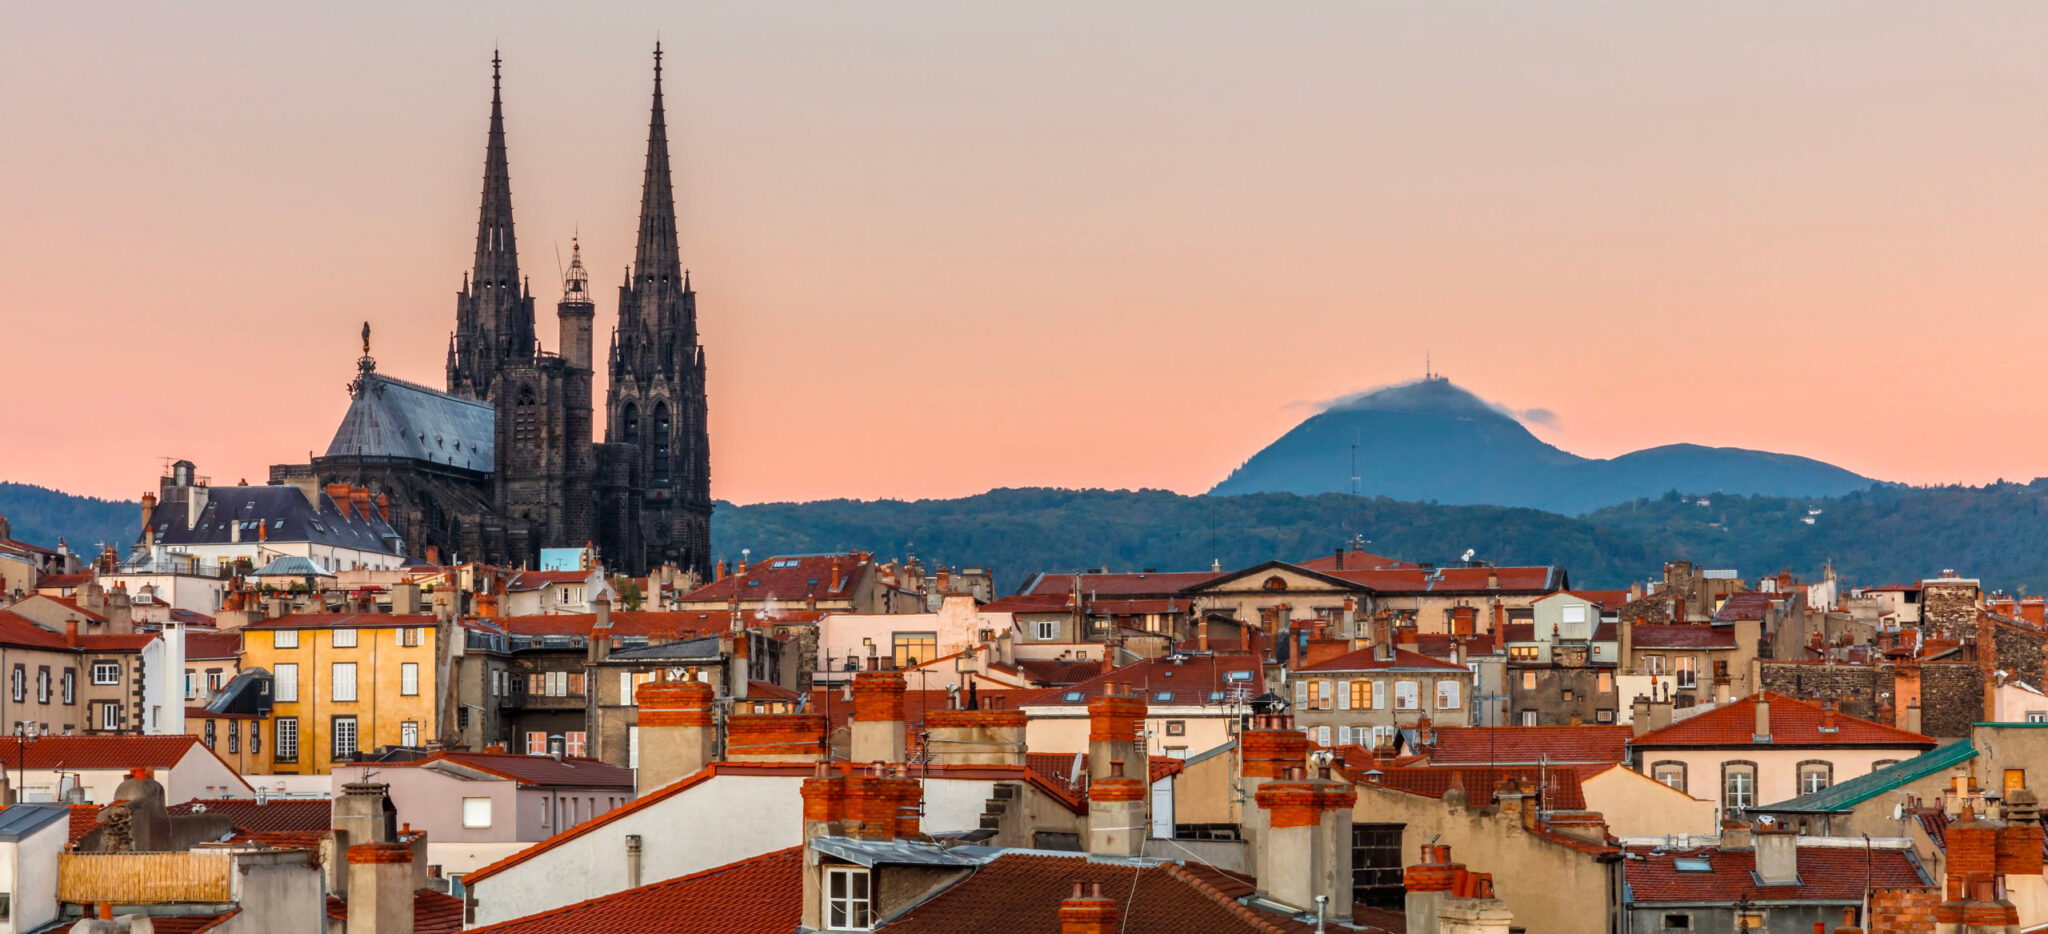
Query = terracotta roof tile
x=84 y=819
x=1682 y=636
x=101 y=751
x=345 y=621
x=1365 y=660
x=1794 y=722
x=1597 y=744
x=568 y=771
x=1827 y=874
x=526 y=581
x=191 y=924
x=1454 y=580
x=1559 y=786
x=1195 y=680
x=273 y=815
x=787 y=577
x=1055 y=672
x=1020 y=893
x=764 y=893
x=18 y=630
x=1355 y=561
x=660 y=625
x=212 y=644
x=1095 y=586
x=432 y=912
x=1745 y=605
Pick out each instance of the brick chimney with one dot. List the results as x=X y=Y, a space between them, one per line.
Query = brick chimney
x=877 y=727
x=1117 y=825
x=380 y=888
x=1087 y=912
x=775 y=737
x=975 y=737
x=1305 y=852
x=677 y=734
x=867 y=804
x=1266 y=751
x=1113 y=723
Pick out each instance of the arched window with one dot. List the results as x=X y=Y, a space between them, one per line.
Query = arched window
x=661 y=442
x=525 y=417
x=629 y=424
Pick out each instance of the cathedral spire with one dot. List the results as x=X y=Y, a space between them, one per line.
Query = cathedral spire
x=657 y=264
x=497 y=257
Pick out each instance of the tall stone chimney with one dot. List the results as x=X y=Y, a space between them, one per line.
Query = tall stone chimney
x=1306 y=850
x=1265 y=752
x=877 y=728
x=975 y=737
x=365 y=813
x=676 y=732
x=1763 y=718
x=1777 y=854
x=1116 y=814
x=1113 y=723
x=405 y=598
x=380 y=888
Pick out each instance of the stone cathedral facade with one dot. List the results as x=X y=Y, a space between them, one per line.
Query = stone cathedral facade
x=503 y=462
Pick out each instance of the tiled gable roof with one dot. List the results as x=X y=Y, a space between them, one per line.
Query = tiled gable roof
x=1355 y=561
x=1523 y=580
x=527 y=581
x=1020 y=893
x=20 y=631
x=764 y=893
x=345 y=621
x=1681 y=636
x=1559 y=786
x=1059 y=672
x=274 y=815
x=212 y=644
x=1745 y=605
x=787 y=577
x=1366 y=659
x=100 y=751
x=659 y=625
x=190 y=924
x=1590 y=744
x=1136 y=584
x=1826 y=873
x=531 y=770
x=1794 y=722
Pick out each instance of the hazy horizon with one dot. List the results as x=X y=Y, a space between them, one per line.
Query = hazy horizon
x=941 y=249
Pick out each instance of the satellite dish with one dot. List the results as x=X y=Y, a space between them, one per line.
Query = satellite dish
x=1469 y=552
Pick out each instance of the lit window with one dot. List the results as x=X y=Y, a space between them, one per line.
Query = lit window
x=1528 y=681
x=1361 y=695
x=574 y=743
x=912 y=648
x=847 y=906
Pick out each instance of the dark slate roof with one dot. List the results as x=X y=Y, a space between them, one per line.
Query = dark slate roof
x=704 y=647
x=394 y=418
x=23 y=820
x=285 y=512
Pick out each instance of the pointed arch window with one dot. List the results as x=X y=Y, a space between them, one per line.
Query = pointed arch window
x=525 y=416
x=661 y=444
x=630 y=424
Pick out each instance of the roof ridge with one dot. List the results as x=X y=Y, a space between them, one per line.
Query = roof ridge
x=664 y=883
x=1258 y=921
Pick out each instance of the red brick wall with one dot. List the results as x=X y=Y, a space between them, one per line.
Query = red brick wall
x=1903 y=911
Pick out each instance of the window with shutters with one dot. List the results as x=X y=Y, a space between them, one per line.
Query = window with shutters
x=284 y=683
x=409 y=679
x=344 y=638
x=1447 y=695
x=1323 y=736
x=1361 y=695
x=1407 y=695
x=234 y=737
x=284 y=639
x=344 y=681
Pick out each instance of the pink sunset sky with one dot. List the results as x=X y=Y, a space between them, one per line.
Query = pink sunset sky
x=944 y=247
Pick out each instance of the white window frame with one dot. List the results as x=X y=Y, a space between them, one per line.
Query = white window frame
x=340 y=686
x=113 y=670
x=536 y=743
x=286 y=745
x=1323 y=736
x=575 y=743
x=845 y=908
x=409 y=733
x=1686 y=668
x=409 y=679
x=1407 y=695
x=70 y=680
x=476 y=813
x=353 y=732
x=1047 y=630
x=1448 y=690
x=110 y=716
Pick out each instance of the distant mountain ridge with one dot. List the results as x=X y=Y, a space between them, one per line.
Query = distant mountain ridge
x=43 y=516
x=1433 y=441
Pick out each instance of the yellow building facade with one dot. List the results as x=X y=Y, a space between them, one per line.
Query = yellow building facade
x=342 y=684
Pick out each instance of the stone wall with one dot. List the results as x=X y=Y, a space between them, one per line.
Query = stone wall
x=2020 y=652
x=1949 y=610
x=1951 y=699
x=1951 y=694
x=1902 y=911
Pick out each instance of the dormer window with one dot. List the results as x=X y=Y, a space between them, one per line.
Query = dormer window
x=848 y=906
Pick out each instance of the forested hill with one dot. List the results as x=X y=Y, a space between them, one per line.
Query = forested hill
x=41 y=516
x=1998 y=533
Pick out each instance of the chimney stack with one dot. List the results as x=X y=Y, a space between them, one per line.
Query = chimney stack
x=1305 y=853
x=677 y=735
x=380 y=888
x=1777 y=855
x=1117 y=825
x=1763 y=718
x=1087 y=912
x=975 y=737
x=1113 y=724
x=866 y=804
x=1267 y=749
x=877 y=729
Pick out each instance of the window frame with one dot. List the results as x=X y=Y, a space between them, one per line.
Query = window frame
x=467 y=822
x=283 y=747
x=1361 y=694
x=1822 y=767
x=1684 y=776
x=69 y=683
x=334 y=683
x=1046 y=630
x=336 y=640
x=849 y=911
x=110 y=715
x=1729 y=770
x=1414 y=692
x=111 y=679
x=1456 y=692
x=334 y=733
x=284 y=639
x=278 y=682
x=409 y=679
x=409 y=733
x=42 y=684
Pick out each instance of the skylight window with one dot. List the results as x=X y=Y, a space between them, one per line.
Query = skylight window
x=1073 y=696
x=1215 y=696
x=1692 y=865
x=1162 y=696
x=783 y=563
x=1237 y=676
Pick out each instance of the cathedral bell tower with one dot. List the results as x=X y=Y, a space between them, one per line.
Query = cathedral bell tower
x=494 y=310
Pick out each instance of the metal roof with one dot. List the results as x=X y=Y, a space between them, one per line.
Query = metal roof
x=873 y=853
x=1843 y=796
x=394 y=418
x=23 y=820
x=291 y=566
x=701 y=648
x=274 y=513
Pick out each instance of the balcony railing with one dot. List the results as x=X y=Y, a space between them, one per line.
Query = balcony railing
x=143 y=878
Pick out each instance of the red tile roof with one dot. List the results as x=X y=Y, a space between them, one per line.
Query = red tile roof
x=84 y=818
x=1745 y=605
x=1682 y=636
x=102 y=751
x=659 y=625
x=838 y=710
x=19 y=630
x=63 y=581
x=1146 y=584
x=1609 y=600
x=1055 y=770
x=1794 y=722
x=1059 y=672
x=1192 y=681
x=1020 y=893
x=1355 y=561
x=71 y=603
x=800 y=577
x=1365 y=659
x=1138 y=606
x=764 y=893
x=345 y=621
x=107 y=642
x=1595 y=744
x=1059 y=601
x=1831 y=873
x=1558 y=786
x=531 y=770
x=191 y=924
x=275 y=815
x=1455 y=580
x=212 y=644
x=762 y=690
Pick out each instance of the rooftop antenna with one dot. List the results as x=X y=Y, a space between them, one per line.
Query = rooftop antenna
x=1428 y=371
